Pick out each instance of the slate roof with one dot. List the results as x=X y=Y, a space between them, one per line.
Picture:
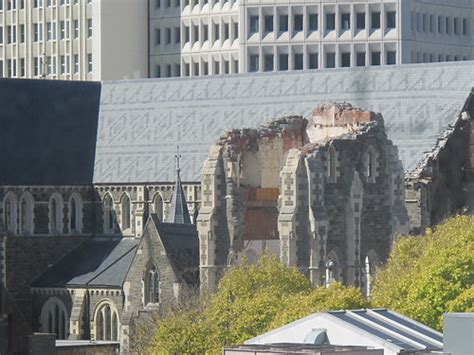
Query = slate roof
x=142 y=121
x=69 y=133
x=48 y=131
x=178 y=210
x=98 y=262
x=382 y=326
x=181 y=243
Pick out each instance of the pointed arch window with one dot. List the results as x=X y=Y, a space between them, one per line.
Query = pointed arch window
x=158 y=206
x=26 y=214
x=56 y=214
x=371 y=164
x=332 y=164
x=54 y=318
x=9 y=213
x=152 y=285
x=107 y=323
x=109 y=214
x=75 y=214
x=125 y=212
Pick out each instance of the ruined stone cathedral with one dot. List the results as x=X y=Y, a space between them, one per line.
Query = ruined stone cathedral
x=98 y=228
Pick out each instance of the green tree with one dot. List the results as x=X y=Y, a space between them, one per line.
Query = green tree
x=251 y=299
x=429 y=275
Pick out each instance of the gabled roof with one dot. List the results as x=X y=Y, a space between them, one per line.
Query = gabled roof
x=181 y=244
x=98 y=262
x=381 y=327
x=178 y=210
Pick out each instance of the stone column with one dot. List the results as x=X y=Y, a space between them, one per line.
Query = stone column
x=289 y=207
x=208 y=217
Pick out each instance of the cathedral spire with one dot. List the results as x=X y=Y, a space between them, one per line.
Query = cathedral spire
x=178 y=211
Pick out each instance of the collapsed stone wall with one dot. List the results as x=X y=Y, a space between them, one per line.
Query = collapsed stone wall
x=299 y=188
x=442 y=183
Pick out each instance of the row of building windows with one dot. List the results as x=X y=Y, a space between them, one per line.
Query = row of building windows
x=440 y=24
x=281 y=61
x=13 y=32
x=19 y=217
x=192 y=3
x=215 y=67
x=420 y=57
x=44 y=66
x=310 y=22
x=20 y=4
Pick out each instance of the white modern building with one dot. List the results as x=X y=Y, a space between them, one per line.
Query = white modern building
x=74 y=39
x=212 y=37
x=123 y=39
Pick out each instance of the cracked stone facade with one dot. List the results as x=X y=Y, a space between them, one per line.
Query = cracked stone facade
x=309 y=190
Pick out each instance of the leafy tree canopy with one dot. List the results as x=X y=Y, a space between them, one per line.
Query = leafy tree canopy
x=430 y=275
x=251 y=299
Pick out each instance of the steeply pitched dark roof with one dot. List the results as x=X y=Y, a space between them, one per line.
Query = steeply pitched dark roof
x=99 y=262
x=181 y=243
x=178 y=211
x=48 y=131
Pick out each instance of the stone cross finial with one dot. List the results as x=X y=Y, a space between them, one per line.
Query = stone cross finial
x=178 y=158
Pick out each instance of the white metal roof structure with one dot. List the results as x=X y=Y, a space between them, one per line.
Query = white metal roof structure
x=377 y=328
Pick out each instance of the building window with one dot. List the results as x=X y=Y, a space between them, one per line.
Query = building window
x=217 y=33
x=37 y=32
x=89 y=28
x=298 y=23
x=391 y=57
x=76 y=28
x=370 y=164
x=152 y=285
x=177 y=33
x=298 y=61
x=313 y=61
x=75 y=214
x=391 y=19
x=330 y=22
x=332 y=163
x=360 y=59
x=217 y=67
x=157 y=71
x=22 y=67
x=168 y=36
x=268 y=62
x=464 y=27
x=253 y=24
x=345 y=59
x=157 y=36
x=56 y=214
x=330 y=60
x=360 y=20
x=26 y=214
x=76 y=63
x=254 y=63
x=109 y=214
x=54 y=318
x=22 y=33
x=89 y=62
x=226 y=31
x=283 y=62
x=375 y=16
x=283 y=23
x=456 y=26
x=376 y=58
x=313 y=22
x=158 y=205
x=107 y=323
x=9 y=213
x=269 y=23
x=125 y=209
x=345 y=22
